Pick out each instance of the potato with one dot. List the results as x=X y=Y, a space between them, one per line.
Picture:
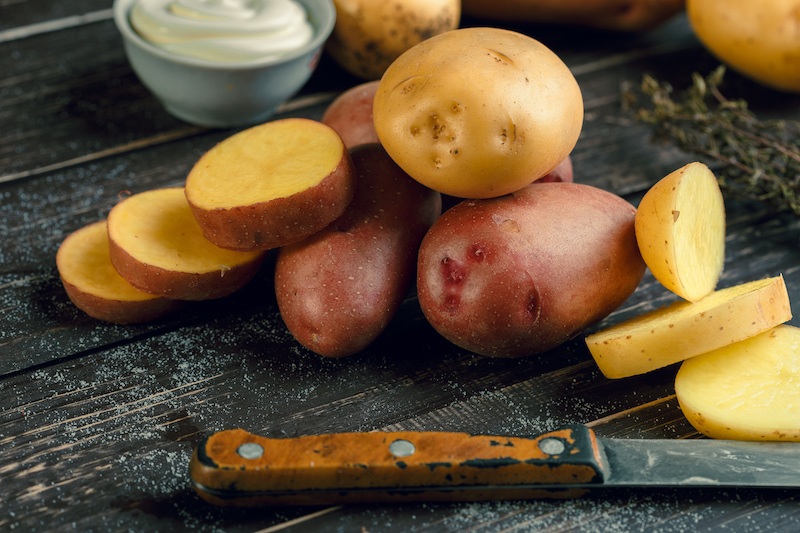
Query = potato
x=684 y=329
x=95 y=287
x=562 y=173
x=157 y=246
x=369 y=35
x=271 y=185
x=758 y=39
x=350 y=114
x=618 y=15
x=338 y=289
x=478 y=112
x=523 y=273
x=680 y=228
x=747 y=390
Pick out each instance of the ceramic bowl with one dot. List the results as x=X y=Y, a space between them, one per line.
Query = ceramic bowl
x=216 y=94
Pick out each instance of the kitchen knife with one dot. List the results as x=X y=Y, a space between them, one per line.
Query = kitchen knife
x=235 y=467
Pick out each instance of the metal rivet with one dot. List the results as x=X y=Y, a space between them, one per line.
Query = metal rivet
x=552 y=446
x=402 y=448
x=250 y=450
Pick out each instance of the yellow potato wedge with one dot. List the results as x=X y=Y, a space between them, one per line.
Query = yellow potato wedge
x=749 y=390
x=684 y=329
x=680 y=228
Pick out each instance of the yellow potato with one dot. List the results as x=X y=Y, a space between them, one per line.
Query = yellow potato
x=760 y=39
x=369 y=35
x=747 y=390
x=478 y=112
x=680 y=228
x=684 y=329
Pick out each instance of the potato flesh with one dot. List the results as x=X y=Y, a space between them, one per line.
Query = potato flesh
x=680 y=228
x=275 y=160
x=157 y=228
x=749 y=390
x=83 y=261
x=684 y=329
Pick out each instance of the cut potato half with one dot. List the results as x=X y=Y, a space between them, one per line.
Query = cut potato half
x=95 y=287
x=684 y=329
x=271 y=185
x=749 y=390
x=680 y=228
x=157 y=246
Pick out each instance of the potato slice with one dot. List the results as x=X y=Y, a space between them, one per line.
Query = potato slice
x=271 y=185
x=96 y=288
x=747 y=390
x=684 y=329
x=157 y=246
x=680 y=228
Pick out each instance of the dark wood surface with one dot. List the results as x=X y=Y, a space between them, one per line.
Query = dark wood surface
x=98 y=421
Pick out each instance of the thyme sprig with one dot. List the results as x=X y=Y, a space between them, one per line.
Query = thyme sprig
x=756 y=159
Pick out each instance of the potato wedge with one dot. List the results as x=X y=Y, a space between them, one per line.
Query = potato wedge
x=684 y=329
x=748 y=390
x=680 y=228
x=157 y=246
x=271 y=185
x=95 y=287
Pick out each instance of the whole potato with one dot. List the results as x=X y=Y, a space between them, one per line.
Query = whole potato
x=759 y=39
x=350 y=114
x=369 y=35
x=338 y=289
x=524 y=273
x=478 y=112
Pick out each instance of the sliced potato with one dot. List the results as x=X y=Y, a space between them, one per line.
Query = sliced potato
x=271 y=185
x=157 y=246
x=749 y=390
x=95 y=287
x=680 y=228
x=684 y=329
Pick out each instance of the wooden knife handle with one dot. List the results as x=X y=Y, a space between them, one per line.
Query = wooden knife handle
x=235 y=467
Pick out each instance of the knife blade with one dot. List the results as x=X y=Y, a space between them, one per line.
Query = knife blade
x=238 y=468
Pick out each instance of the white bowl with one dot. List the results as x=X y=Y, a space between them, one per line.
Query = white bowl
x=216 y=94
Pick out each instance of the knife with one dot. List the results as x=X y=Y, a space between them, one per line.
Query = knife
x=238 y=468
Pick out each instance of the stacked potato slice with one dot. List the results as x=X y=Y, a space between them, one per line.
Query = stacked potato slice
x=732 y=340
x=260 y=189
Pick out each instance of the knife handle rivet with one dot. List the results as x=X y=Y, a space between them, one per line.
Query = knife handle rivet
x=250 y=450
x=402 y=448
x=552 y=446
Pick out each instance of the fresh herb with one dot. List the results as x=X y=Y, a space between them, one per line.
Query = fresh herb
x=757 y=159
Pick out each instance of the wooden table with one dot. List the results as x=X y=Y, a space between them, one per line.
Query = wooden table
x=98 y=421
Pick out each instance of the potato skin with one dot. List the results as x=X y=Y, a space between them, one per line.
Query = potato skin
x=369 y=35
x=758 y=39
x=617 y=15
x=338 y=289
x=478 y=140
x=350 y=114
x=524 y=273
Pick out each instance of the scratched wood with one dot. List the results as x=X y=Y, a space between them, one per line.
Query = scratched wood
x=97 y=422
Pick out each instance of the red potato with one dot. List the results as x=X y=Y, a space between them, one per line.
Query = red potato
x=523 y=273
x=350 y=114
x=562 y=173
x=338 y=289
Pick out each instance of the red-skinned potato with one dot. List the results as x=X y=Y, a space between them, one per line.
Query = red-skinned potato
x=338 y=289
x=350 y=114
x=523 y=273
x=562 y=173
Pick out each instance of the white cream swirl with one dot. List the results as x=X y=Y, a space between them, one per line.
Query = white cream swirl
x=223 y=30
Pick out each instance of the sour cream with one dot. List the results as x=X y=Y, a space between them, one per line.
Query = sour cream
x=223 y=30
